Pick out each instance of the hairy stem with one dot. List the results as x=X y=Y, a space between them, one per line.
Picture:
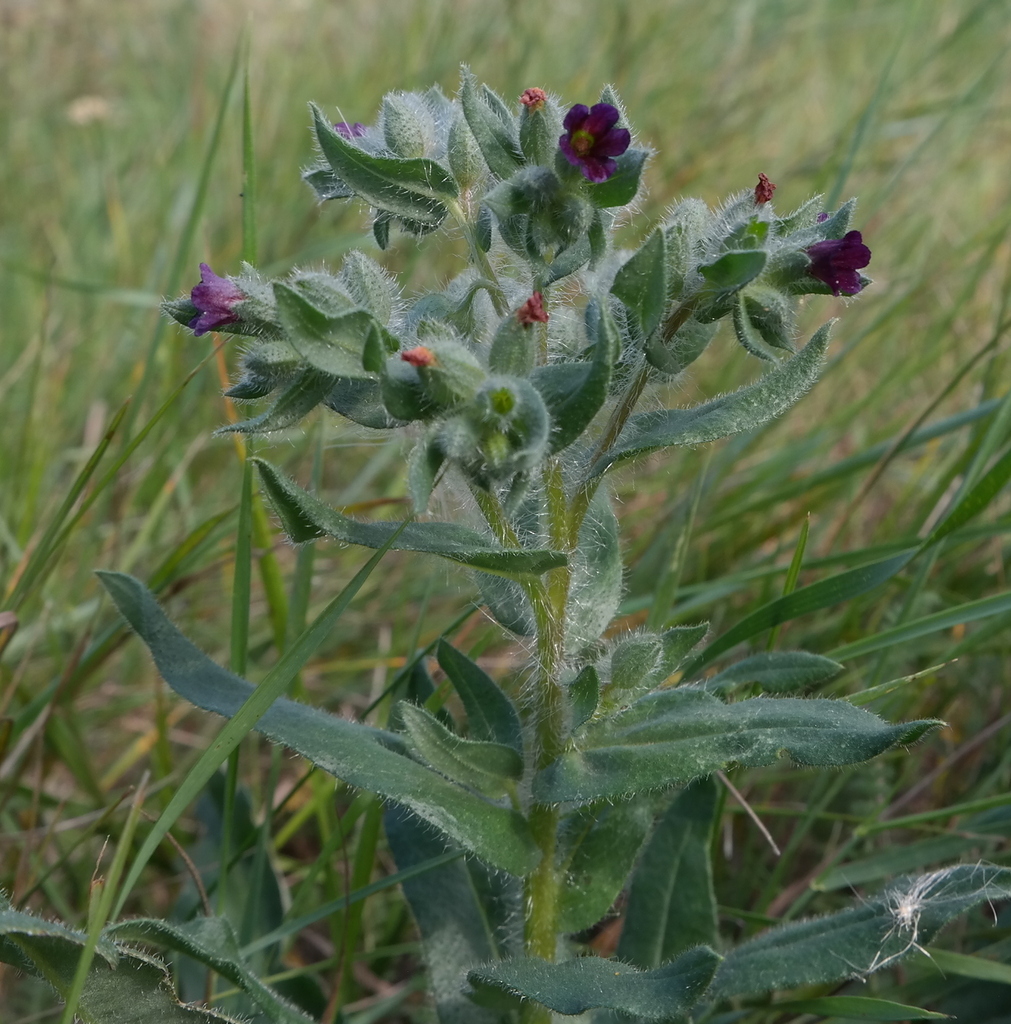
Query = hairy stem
x=480 y=259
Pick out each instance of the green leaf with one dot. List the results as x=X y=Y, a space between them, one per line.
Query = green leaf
x=596 y=575
x=498 y=143
x=861 y=939
x=491 y=715
x=749 y=337
x=978 y=967
x=776 y=672
x=358 y=754
x=823 y=594
x=858 y=1008
x=575 y=986
x=671 y=737
x=641 y=283
x=332 y=344
x=490 y=768
x=584 y=694
x=361 y=402
x=122 y=985
x=575 y=392
x=744 y=409
x=671 y=901
x=733 y=270
x=307 y=391
x=463 y=917
x=414 y=189
x=598 y=846
x=211 y=941
x=622 y=186
x=304 y=517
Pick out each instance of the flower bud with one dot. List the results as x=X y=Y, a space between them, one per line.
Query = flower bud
x=465 y=160
x=540 y=127
x=407 y=127
x=368 y=285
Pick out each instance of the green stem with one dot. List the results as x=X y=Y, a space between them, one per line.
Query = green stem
x=480 y=259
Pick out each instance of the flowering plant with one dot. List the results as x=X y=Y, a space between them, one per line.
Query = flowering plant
x=517 y=824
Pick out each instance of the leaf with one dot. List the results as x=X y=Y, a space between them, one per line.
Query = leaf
x=622 y=186
x=304 y=517
x=332 y=344
x=776 y=672
x=211 y=941
x=414 y=189
x=508 y=603
x=122 y=985
x=745 y=409
x=358 y=754
x=671 y=737
x=584 y=695
x=599 y=845
x=641 y=283
x=733 y=270
x=575 y=392
x=491 y=715
x=487 y=767
x=458 y=928
x=361 y=402
x=748 y=335
x=859 y=1008
x=499 y=146
x=671 y=901
x=978 y=967
x=862 y=939
x=307 y=391
x=575 y=986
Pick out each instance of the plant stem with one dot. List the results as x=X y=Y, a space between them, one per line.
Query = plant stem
x=480 y=259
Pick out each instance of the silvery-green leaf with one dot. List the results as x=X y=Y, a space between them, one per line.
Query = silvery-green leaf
x=307 y=391
x=584 y=696
x=596 y=575
x=361 y=402
x=496 y=137
x=641 y=283
x=776 y=672
x=621 y=188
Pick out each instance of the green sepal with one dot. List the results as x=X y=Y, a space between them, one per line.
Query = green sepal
x=304 y=517
x=621 y=188
x=415 y=190
x=494 y=134
x=838 y=223
x=333 y=344
x=490 y=768
x=368 y=284
x=861 y=939
x=378 y=345
x=491 y=715
x=359 y=754
x=575 y=392
x=598 y=845
x=671 y=901
x=589 y=982
x=672 y=737
x=539 y=131
x=641 y=283
x=688 y=343
x=514 y=347
x=776 y=672
x=584 y=696
x=744 y=409
x=482 y=228
x=465 y=159
x=407 y=126
x=307 y=391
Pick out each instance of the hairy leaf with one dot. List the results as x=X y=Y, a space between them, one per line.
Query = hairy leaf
x=305 y=517
x=622 y=186
x=674 y=736
x=293 y=404
x=596 y=576
x=575 y=986
x=776 y=672
x=499 y=144
x=641 y=283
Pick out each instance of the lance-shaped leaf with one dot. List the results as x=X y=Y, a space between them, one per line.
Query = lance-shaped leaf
x=733 y=270
x=641 y=283
x=858 y=1008
x=622 y=186
x=489 y=768
x=334 y=345
x=492 y=716
x=361 y=402
x=574 y=392
x=598 y=846
x=745 y=409
x=671 y=737
x=305 y=517
x=360 y=755
x=211 y=941
x=591 y=982
x=122 y=985
x=414 y=189
x=862 y=939
x=464 y=915
x=297 y=400
x=671 y=902
x=776 y=672
x=496 y=135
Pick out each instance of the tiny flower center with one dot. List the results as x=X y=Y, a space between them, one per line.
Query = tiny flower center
x=503 y=401
x=582 y=142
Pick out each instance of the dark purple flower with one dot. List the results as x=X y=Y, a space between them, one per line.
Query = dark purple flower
x=350 y=131
x=214 y=298
x=837 y=260
x=591 y=141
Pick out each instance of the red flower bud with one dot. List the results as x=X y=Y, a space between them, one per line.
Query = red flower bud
x=532 y=311
x=533 y=98
x=763 y=190
x=419 y=356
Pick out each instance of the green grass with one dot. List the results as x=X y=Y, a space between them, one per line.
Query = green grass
x=903 y=104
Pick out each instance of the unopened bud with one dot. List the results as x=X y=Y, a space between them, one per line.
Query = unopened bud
x=533 y=99
x=532 y=311
x=419 y=356
x=763 y=190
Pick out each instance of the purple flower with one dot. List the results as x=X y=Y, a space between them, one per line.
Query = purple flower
x=214 y=298
x=350 y=131
x=837 y=260
x=591 y=141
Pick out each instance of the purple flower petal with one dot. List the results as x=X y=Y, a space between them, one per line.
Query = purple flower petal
x=591 y=140
x=614 y=143
x=603 y=117
x=575 y=117
x=214 y=298
x=835 y=262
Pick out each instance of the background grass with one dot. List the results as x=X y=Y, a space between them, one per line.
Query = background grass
x=108 y=116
